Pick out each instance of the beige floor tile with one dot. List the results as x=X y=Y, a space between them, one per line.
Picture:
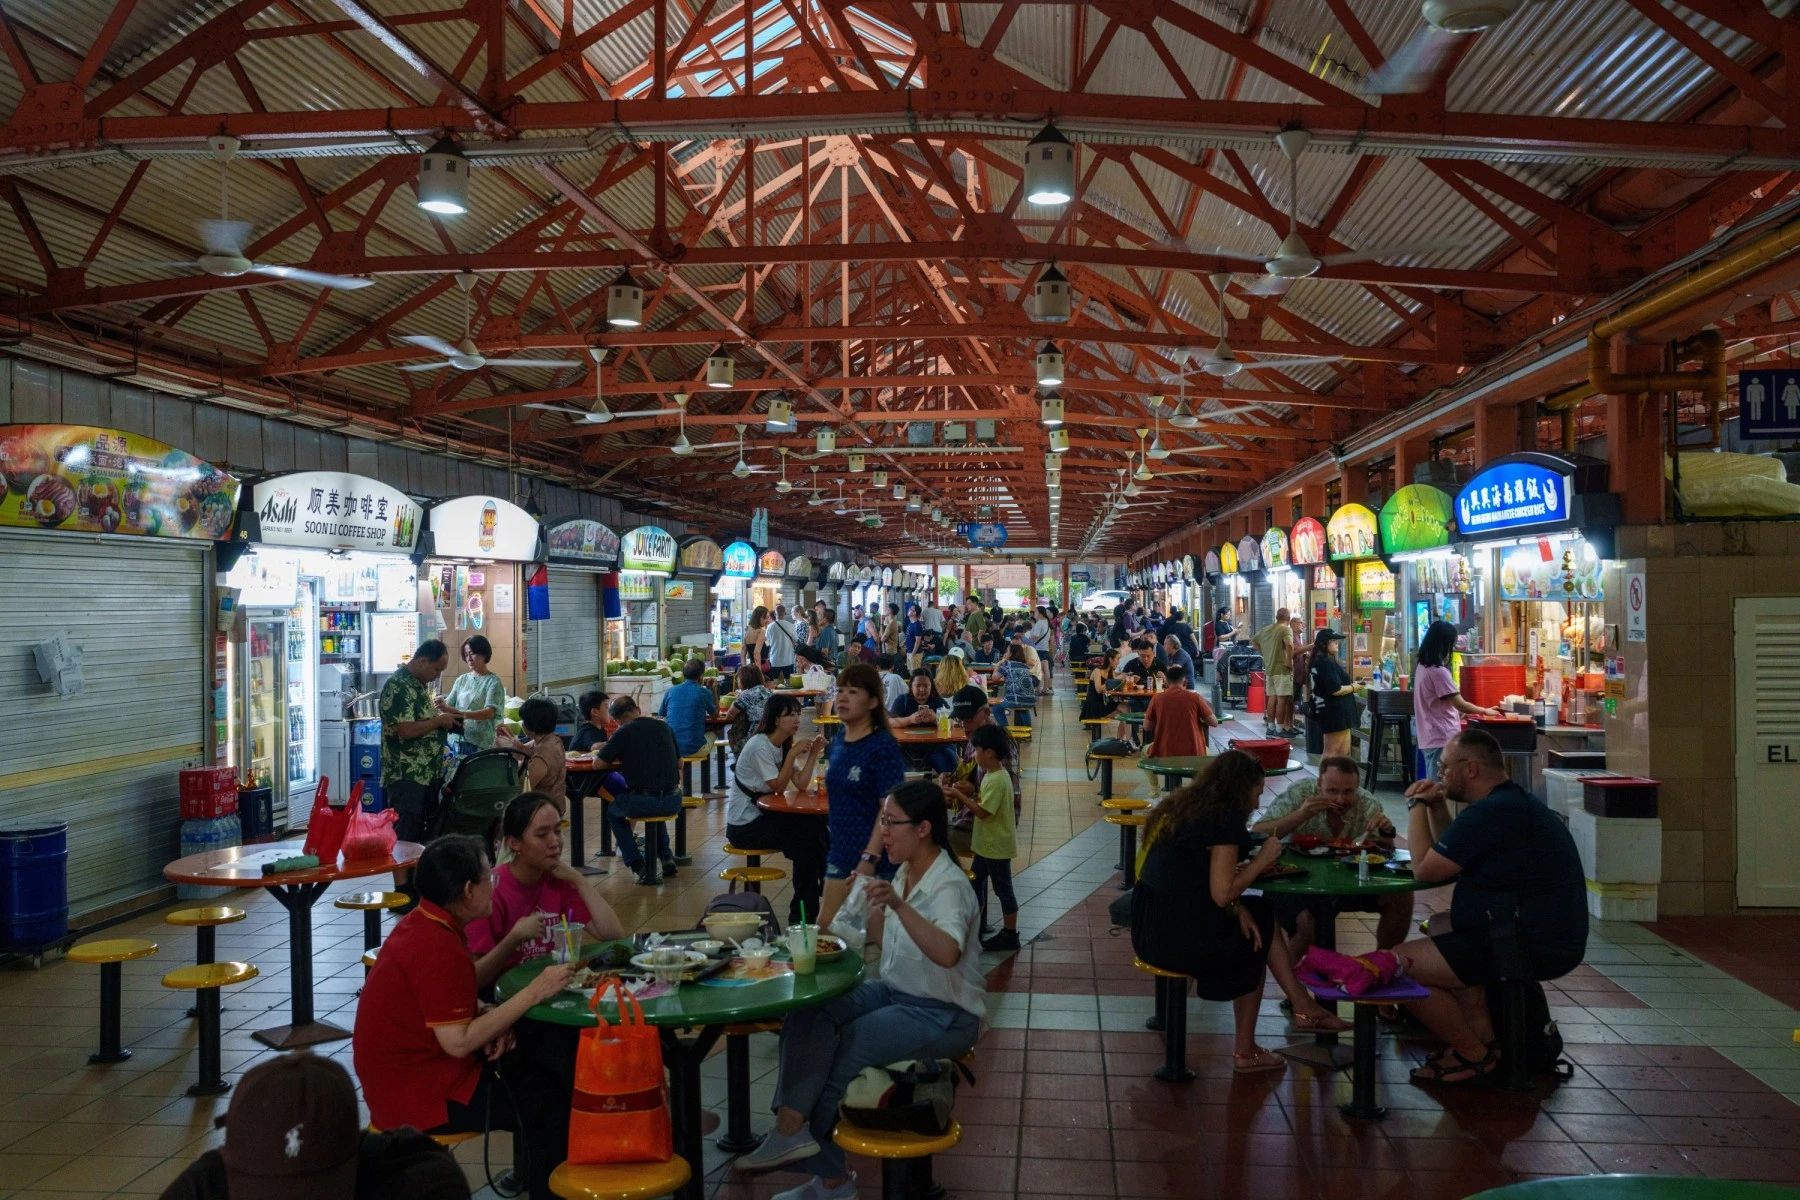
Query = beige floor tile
x=97 y=1172
x=24 y=1170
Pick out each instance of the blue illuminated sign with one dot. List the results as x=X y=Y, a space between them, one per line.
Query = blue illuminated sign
x=987 y=533
x=1521 y=493
x=740 y=561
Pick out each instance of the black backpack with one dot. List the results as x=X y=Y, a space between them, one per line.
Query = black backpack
x=1540 y=1042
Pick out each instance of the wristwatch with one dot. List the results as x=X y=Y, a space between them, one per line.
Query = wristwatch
x=874 y=860
x=1417 y=802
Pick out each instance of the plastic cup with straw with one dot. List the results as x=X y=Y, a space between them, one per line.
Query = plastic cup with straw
x=801 y=947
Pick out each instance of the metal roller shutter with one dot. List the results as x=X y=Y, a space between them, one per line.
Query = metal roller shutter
x=1262 y=606
x=683 y=618
x=565 y=650
x=105 y=760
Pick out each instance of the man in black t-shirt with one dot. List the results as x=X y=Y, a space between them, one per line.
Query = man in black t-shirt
x=1520 y=890
x=643 y=749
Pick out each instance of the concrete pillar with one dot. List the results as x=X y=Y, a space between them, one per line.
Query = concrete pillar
x=1353 y=484
x=1312 y=501
x=1634 y=439
x=1407 y=456
x=1496 y=432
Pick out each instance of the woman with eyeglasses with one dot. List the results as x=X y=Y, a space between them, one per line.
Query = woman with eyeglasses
x=928 y=1002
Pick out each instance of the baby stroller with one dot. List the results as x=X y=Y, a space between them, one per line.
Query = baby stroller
x=477 y=794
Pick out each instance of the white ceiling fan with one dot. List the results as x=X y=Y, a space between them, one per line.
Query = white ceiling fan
x=1294 y=259
x=1415 y=64
x=464 y=356
x=224 y=239
x=1223 y=363
x=598 y=414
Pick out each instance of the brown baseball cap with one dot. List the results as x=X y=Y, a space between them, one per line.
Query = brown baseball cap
x=292 y=1131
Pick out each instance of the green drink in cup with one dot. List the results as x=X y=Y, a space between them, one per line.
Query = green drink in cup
x=803 y=947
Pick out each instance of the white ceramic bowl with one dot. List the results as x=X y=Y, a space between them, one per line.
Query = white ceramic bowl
x=733 y=926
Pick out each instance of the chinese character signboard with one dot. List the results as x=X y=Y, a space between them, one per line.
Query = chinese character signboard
x=89 y=480
x=1417 y=517
x=1521 y=493
x=329 y=510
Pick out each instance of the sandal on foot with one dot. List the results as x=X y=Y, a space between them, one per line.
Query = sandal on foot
x=1252 y=1064
x=1323 y=1023
x=1440 y=1069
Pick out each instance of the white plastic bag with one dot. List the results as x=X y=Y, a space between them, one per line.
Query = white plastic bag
x=852 y=920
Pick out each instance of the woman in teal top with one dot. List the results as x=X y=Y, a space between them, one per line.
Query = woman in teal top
x=478 y=697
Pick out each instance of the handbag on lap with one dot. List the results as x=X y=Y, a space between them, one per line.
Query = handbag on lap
x=620 y=1109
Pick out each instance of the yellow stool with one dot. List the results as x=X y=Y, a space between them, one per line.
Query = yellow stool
x=620 y=1181
x=828 y=719
x=753 y=877
x=737 y=1138
x=205 y=922
x=110 y=953
x=1129 y=823
x=371 y=905
x=905 y=1157
x=1124 y=804
x=653 y=868
x=368 y=958
x=1171 y=1018
x=205 y=979
x=702 y=756
x=751 y=857
x=1094 y=726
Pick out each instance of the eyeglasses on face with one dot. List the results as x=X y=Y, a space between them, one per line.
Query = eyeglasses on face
x=890 y=822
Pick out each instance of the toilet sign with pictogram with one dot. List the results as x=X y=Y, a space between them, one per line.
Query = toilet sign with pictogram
x=1635 y=628
x=1768 y=404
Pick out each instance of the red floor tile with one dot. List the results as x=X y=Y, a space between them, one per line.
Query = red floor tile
x=1067 y=1176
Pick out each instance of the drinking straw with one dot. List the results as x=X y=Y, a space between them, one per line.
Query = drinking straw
x=805 y=935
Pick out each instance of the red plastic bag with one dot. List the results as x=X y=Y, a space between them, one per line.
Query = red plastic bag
x=325 y=828
x=621 y=1106
x=369 y=834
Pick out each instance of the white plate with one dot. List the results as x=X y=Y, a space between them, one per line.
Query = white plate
x=644 y=961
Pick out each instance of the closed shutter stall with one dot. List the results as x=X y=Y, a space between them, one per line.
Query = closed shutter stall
x=684 y=618
x=106 y=759
x=565 y=650
x=1262 y=605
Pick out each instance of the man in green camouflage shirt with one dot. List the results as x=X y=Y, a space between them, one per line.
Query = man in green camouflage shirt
x=413 y=733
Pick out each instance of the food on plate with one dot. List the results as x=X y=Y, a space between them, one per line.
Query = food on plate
x=22 y=461
x=49 y=500
x=1305 y=841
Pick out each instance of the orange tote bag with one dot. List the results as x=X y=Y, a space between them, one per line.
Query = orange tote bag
x=621 y=1108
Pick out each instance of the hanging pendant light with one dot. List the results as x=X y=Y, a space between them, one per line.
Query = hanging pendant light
x=444 y=179
x=1059 y=441
x=1049 y=365
x=625 y=302
x=855 y=463
x=878 y=480
x=1049 y=167
x=1051 y=294
x=782 y=485
x=915 y=502
x=682 y=446
x=900 y=492
x=721 y=372
x=781 y=416
x=825 y=441
x=1050 y=409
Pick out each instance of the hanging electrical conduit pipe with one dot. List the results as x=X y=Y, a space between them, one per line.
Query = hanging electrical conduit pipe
x=1708 y=346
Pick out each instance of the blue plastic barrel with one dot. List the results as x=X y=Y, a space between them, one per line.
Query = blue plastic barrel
x=34 y=884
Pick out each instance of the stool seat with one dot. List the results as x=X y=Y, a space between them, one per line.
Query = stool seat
x=200 y=976
x=693 y=802
x=1141 y=965
x=884 y=1143
x=620 y=1181
x=828 y=719
x=1136 y=820
x=1096 y=720
x=653 y=820
x=1124 y=803
x=111 y=950
x=1108 y=757
x=1019 y=733
x=700 y=755
x=368 y=956
x=444 y=1139
x=753 y=874
x=371 y=900
x=211 y=914
x=731 y=849
x=746 y=1028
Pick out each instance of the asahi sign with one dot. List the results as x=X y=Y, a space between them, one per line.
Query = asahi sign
x=330 y=510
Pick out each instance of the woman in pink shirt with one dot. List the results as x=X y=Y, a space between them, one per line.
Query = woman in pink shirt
x=1438 y=708
x=533 y=893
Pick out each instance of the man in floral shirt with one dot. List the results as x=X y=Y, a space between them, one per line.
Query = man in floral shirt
x=413 y=733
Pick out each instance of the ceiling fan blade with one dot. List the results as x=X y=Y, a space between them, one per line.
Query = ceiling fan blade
x=426 y=341
x=1412 y=67
x=552 y=363
x=1375 y=253
x=347 y=283
x=430 y=366
x=557 y=408
x=137 y=264
x=1250 y=365
x=1269 y=285
x=223 y=237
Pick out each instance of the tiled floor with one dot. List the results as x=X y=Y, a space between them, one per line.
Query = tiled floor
x=1681 y=1033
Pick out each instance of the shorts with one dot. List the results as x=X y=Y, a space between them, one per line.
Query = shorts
x=883 y=869
x=1469 y=954
x=411 y=800
x=1431 y=758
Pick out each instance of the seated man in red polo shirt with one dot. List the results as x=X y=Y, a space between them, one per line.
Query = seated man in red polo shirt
x=1176 y=722
x=427 y=1054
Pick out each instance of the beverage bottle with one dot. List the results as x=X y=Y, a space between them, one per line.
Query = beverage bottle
x=1362 y=867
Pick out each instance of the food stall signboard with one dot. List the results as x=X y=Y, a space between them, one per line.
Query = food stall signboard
x=90 y=480
x=887 y=577
x=1324 y=578
x=1521 y=493
x=799 y=567
x=330 y=510
x=1306 y=542
x=1212 y=564
x=1351 y=533
x=678 y=589
x=699 y=556
x=1570 y=572
x=1187 y=568
x=740 y=561
x=483 y=527
x=1374 y=585
x=1249 y=553
x=1275 y=550
x=836 y=573
x=773 y=563
x=649 y=548
x=985 y=533
x=582 y=541
x=1228 y=559
x=1417 y=517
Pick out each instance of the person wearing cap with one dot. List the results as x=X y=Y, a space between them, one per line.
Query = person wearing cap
x=426 y=1050
x=970 y=706
x=1334 y=696
x=293 y=1133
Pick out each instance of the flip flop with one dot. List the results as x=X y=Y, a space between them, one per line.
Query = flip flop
x=1439 y=1070
x=1254 y=1064
x=1325 y=1023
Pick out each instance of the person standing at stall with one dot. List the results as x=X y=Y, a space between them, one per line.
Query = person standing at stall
x=756 y=648
x=477 y=698
x=1275 y=642
x=1438 y=707
x=413 y=733
x=781 y=641
x=1334 y=695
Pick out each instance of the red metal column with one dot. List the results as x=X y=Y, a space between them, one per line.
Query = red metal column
x=1353 y=483
x=1407 y=456
x=1496 y=432
x=1634 y=433
x=1312 y=500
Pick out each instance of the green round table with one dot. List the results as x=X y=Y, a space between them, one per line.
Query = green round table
x=1638 y=1187
x=1173 y=769
x=705 y=1011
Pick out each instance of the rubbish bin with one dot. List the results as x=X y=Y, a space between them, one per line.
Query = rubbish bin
x=1256 y=697
x=34 y=885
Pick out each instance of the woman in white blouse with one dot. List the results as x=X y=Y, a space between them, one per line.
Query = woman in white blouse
x=928 y=1002
x=773 y=760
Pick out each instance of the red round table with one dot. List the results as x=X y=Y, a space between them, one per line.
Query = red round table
x=807 y=802
x=297 y=891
